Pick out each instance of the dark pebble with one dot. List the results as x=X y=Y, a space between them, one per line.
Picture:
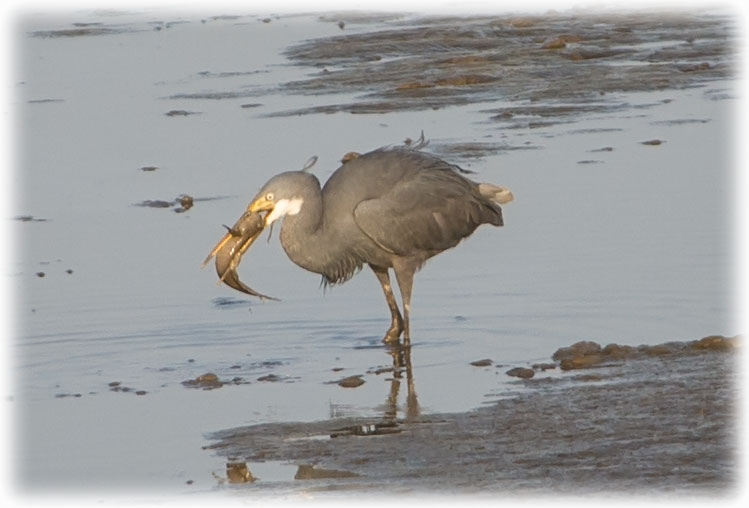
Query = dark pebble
x=141 y=392
x=149 y=168
x=521 y=372
x=40 y=274
x=652 y=142
x=351 y=382
x=482 y=363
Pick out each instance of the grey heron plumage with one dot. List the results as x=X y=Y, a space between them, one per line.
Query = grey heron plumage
x=392 y=208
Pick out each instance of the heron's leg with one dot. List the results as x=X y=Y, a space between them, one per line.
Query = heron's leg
x=396 y=324
x=404 y=274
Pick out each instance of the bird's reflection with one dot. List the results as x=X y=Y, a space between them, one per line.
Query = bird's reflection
x=402 y=362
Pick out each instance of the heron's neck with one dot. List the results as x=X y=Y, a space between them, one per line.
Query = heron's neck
x=303 y=235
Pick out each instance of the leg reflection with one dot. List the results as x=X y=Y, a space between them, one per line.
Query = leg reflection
x=402 y=362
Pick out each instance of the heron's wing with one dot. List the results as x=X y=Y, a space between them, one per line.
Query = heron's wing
x=427 y=211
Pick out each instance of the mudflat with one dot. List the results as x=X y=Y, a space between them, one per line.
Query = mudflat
x=661 y=420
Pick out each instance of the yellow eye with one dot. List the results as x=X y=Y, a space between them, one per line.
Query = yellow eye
x=269 y=196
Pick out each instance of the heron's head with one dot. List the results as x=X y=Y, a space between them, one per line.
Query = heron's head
x=283 y=195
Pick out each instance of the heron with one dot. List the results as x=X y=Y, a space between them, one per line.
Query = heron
x=391 y=209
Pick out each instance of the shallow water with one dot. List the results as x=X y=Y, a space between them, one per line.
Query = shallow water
x=629 y=245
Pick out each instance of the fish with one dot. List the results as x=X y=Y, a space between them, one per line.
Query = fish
x=229 y=251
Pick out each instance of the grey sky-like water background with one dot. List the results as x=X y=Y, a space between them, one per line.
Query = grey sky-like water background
x=617 y=147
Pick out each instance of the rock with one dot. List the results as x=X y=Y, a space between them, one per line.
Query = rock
x=715 y=343
x=581 y=348
x=652 y=142
x=309 y=472
x=269 y=378
x=40 y=274
x=618 y=352
x=521 y=372
x=149 y=168
x=668 y=348
x=581 y=362
x=238 y=472
x=351 y=381
x=482 y=363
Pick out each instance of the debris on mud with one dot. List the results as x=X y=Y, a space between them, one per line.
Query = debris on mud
x=310 y=472
x=181 y=203
x=181 y=112
x=28 y=218
x=371 y=429
x=210 y=381
x=238 y=472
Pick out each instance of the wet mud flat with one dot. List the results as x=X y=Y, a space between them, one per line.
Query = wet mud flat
x=663 y=421
x=550 y=68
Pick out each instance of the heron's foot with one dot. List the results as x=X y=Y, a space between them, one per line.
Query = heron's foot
x=392 y=336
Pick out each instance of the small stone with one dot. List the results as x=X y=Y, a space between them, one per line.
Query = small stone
x=652 y=142
x=351 y=381
x=141 y=392
x=40 y=274
x=521 y=372
x=149 y=168
x=482 y=363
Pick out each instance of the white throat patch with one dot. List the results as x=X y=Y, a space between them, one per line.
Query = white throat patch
x=284 y=207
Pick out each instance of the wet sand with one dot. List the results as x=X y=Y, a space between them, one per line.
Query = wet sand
x=660 y=422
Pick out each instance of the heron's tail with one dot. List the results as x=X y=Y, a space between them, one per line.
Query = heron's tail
x=500 y=195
